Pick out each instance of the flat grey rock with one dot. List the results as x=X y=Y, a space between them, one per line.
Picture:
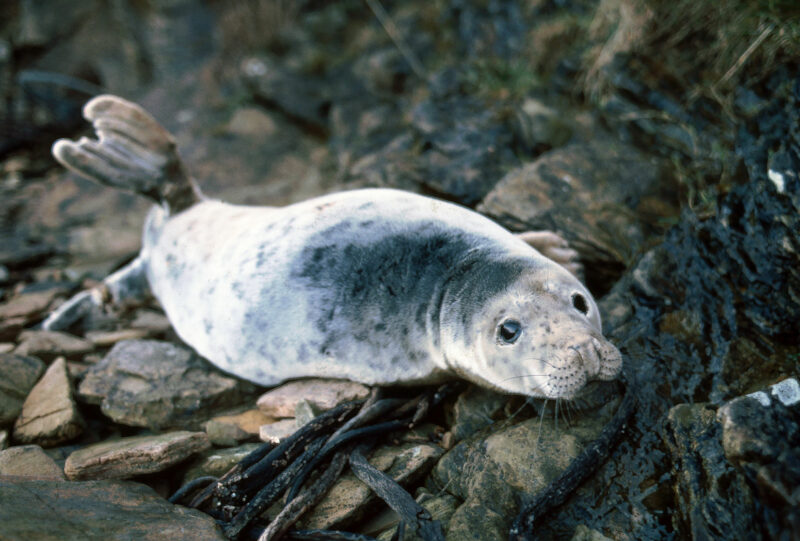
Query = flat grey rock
x=95 y=510
x=20 y=373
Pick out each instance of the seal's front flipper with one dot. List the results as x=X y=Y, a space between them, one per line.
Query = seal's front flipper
x=132 y=151
x=555 y=247
x=130 y=282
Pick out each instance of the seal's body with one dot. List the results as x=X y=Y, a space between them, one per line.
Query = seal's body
x=378 y=286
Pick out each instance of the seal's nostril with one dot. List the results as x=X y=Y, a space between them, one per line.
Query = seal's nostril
x=580 y=304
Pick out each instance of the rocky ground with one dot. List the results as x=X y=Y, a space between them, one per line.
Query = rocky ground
x=685 y=213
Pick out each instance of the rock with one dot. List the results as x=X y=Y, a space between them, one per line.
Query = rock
x=466 y=147
x=323 y=394
x=349 y=499
x=229 y=430
x=159 y=385
x=19 y=376
x=3 y=439
x=540 y=127
x=153 y=322
x=138 y=455
x=48 y=345
x=713 y=500
x=31 y=462
x=475 y=408
x=299 y=96
x=278 y=431
x=604 y=197
x=4 y=274
x=96 y=510
x=441 y=508
x=109 y=338
x=491 y=473
x=41 y=23
x=761 y=437
x=49 y=415
x=28 y=305
x=6 y=347
x=217 y=462
x=252 y=122
x=10 y=328
x=582 y=533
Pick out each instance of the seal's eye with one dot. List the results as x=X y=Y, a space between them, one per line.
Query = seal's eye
x=509 y=331
x=580 y=304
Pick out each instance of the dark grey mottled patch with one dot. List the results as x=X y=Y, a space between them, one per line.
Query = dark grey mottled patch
x=397 y=280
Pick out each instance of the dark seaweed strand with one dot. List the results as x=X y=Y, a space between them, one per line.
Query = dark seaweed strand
x=557 y=492
x=380 y=428
x=397 y=498
x=307 y=499
x=245 y=482
x=191 y=486
x=271 y=492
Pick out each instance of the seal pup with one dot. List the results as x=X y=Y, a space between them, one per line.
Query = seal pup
x=378 y=286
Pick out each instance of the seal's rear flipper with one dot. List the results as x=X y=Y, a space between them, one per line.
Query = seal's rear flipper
x=129 y=282
x=132 y=152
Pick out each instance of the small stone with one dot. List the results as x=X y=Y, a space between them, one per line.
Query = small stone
x=4 y=274
x=109 y=338
x=112 y=510
x=48 y=345
x=153 y=322
x=28 y=305
x=324 y=394
x=278 y=431
x=348 y=499
x=3 y=439
x=20 y=374
x=217 y=462
x=305 y=412
x=160 y=385
x=6 y=347
x=138 y=455
x=474 y=409
x=29 y=461
x=49 y=415
x=252 y=122
x=229 y=430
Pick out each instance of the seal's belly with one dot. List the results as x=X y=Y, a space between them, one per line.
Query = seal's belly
x=341 y=286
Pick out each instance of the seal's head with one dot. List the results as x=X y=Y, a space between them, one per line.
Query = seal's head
x=538 y=336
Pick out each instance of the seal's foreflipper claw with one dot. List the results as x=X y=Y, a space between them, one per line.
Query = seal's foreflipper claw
x=127 y=283
x=132 y=151
x=555 y=247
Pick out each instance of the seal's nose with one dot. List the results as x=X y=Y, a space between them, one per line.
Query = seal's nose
x=610 y=359
x=591 y=357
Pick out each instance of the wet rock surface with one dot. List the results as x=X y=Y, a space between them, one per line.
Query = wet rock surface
x=159 y=385
x=95 y=510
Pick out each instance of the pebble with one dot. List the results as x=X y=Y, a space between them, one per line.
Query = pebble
x=109 y=338
x=28 y=305
x=132 y=456
x=323 y=394
x=217 y=462
x=6 y=347
x=49 y=415
x=229 y=430
x=48 y=345
x=3 y=439
x=151 y=321
x=29 y=461
x=278 y=431
x=20 y=374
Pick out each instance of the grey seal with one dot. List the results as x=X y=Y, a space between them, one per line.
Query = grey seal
x=378 y=286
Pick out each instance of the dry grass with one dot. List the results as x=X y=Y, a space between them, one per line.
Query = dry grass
x=697 y=48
